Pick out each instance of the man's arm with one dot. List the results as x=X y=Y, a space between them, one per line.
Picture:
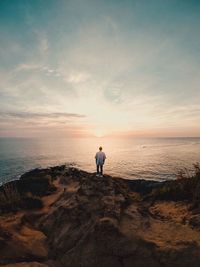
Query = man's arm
x=104 y=157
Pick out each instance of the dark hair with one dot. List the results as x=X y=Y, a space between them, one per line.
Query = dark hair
x=100 y=148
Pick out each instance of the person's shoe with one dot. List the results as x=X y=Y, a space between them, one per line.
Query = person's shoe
x=97 y=174
x=101 y=175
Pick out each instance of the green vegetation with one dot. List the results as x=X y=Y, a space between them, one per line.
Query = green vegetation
x=186 y=187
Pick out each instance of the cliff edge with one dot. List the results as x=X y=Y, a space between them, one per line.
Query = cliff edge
x=67 y=217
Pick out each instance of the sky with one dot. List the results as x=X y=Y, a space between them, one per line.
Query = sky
x=83 y=68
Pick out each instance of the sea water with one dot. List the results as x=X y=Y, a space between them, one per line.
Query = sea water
x=130 y=158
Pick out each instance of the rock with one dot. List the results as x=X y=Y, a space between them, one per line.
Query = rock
x=195 y=221
x=26 y=264
x=25 y=193
x=96 y=222
x=38 y=182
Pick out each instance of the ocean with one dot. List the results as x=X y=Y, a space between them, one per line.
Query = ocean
x=131 y=158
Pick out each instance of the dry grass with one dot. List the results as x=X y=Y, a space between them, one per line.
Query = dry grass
x=12 y=200
x=186 y=187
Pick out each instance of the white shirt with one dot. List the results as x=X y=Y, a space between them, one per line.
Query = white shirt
x=100 y=158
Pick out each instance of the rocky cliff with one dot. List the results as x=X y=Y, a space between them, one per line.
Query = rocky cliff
x=77 y=219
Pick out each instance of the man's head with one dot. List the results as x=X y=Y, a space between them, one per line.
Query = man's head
x=100 y=148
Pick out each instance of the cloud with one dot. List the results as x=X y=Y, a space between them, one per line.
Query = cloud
x=43 y=45
x=76 y=77
x=29 y=115
x=28 y=67
x=42 y=41
x=41 y=124
x=109 y=61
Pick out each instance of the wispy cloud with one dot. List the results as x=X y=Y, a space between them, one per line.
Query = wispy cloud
x=121 y=68
x=29 y=115
x=37 y=124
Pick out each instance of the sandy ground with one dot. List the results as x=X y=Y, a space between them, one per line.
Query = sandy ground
x=159 y=231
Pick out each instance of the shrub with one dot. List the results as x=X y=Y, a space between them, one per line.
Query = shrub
x=10 y=198
x=186 y=187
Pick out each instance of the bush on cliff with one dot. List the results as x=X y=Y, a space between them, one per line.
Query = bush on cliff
x=12 y=200
x=38 y=182
x=26 y=192
x=184 y=188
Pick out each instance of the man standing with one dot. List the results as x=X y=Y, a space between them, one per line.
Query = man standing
x=100 y=159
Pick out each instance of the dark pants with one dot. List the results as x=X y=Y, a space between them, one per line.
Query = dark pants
x=101 y=169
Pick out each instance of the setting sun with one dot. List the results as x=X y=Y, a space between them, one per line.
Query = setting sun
x=99 y=133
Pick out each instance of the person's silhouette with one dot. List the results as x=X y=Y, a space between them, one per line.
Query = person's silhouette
x=100 y=159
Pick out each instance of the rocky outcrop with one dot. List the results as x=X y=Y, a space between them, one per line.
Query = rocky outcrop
x=91 y=221
x=25 y=193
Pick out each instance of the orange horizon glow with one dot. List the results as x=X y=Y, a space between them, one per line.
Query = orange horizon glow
x=102 y=74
